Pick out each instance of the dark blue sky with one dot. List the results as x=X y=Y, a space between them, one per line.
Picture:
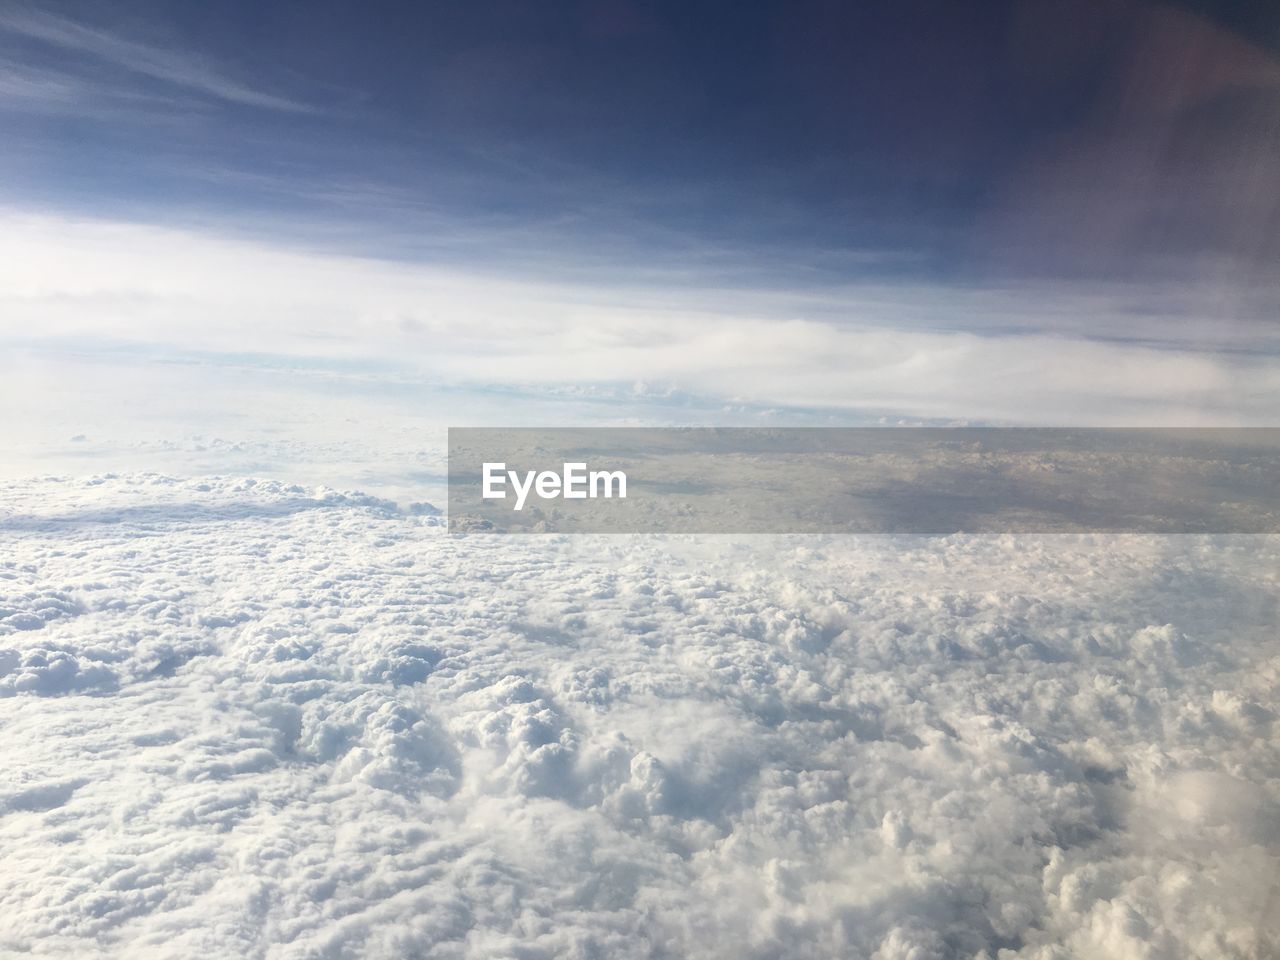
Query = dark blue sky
x=813 y=140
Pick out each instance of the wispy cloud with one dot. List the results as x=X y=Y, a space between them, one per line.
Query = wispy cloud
x=994 y=356
x=175 y=67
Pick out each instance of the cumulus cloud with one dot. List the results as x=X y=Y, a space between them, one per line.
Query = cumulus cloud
x=257 y=719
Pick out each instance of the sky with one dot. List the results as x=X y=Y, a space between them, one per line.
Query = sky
x=1006 y=212
x=255 y=258
x=909 y=139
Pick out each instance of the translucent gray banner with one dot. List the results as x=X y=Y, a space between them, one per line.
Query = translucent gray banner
x=863 y=480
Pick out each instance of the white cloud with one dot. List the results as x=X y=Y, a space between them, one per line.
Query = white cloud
x=924 y=352
x=299 y=723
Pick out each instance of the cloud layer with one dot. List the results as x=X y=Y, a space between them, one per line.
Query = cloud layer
x=1032 y=356
x=253 y=719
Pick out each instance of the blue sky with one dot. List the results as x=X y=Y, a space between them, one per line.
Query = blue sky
x=803 y=142
x=998 y=212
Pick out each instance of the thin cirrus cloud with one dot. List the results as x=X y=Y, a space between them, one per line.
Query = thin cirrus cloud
x=173 y=67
